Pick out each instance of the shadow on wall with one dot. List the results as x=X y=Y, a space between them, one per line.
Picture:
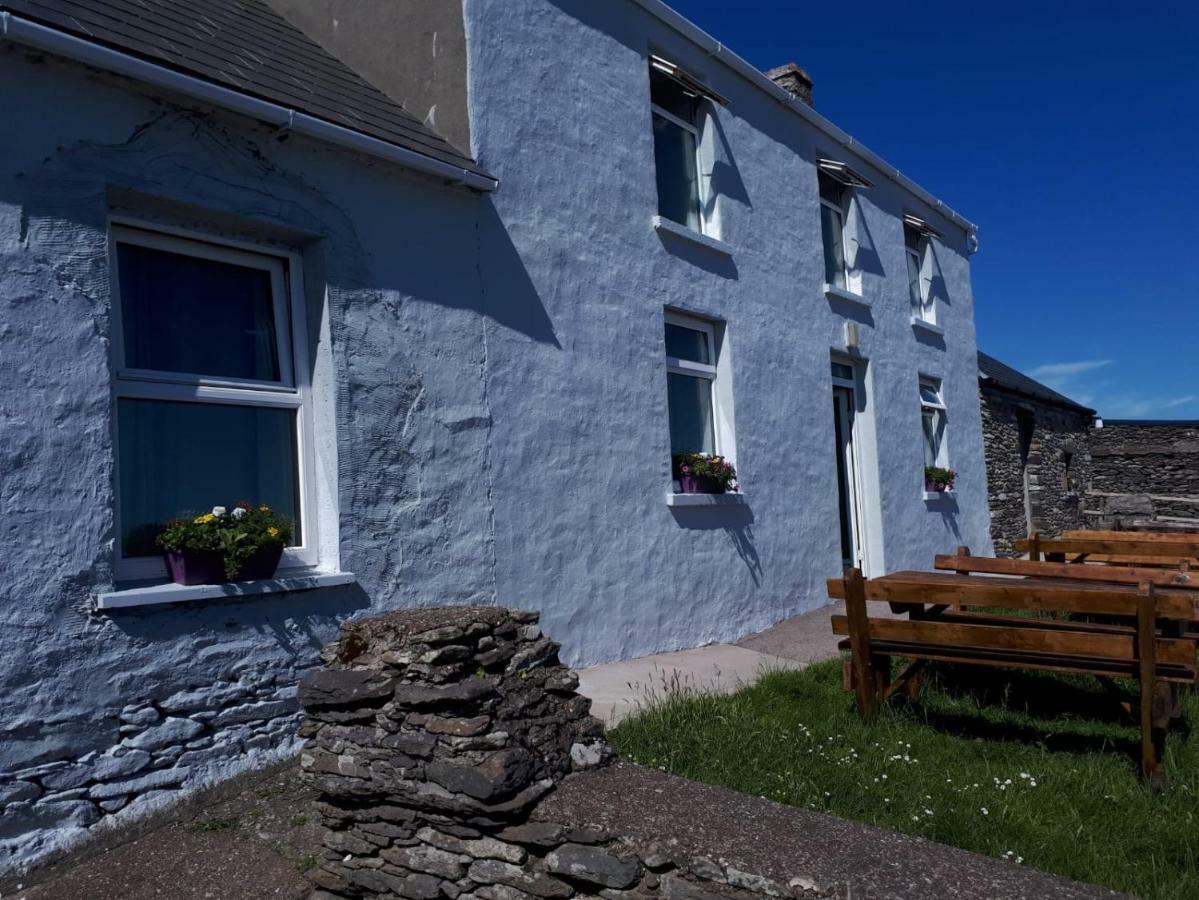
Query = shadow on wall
x=865 y=256
x=697 y=255
x=298 y=624
x=726 y=180
x=736 y=522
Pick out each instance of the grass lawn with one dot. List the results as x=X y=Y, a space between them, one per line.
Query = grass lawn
x=1031 y=767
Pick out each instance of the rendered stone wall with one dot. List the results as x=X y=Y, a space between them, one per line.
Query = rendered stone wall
x=1028 y=485
x=434 y=735
x=1145 y=470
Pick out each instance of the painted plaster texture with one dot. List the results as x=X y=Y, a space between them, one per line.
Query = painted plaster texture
x=106 y=717
x=559 y=100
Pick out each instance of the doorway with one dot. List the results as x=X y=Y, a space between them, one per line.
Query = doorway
x=848 y=483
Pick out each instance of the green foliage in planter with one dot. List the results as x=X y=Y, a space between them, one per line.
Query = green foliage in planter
x=702 y=465
x=237 y=534
x=939 y=476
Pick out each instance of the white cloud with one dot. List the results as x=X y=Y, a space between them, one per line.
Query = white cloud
x=1129 y=406
x=1066 y=370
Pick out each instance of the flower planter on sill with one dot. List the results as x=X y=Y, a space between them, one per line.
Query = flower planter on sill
x=935 y=487
x=209 y=568
x=698 y=484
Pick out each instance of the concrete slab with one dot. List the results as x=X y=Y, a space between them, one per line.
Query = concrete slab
x=616 y=689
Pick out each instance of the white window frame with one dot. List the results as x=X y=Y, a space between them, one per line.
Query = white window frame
x=701 y=183
x=938 y=405
x=841 y=212
x=292 y=391
x=720 y=439
x=925 y=310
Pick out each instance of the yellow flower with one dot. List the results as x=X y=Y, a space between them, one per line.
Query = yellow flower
x=273 y=531
x=204 y=519
x=264 y=509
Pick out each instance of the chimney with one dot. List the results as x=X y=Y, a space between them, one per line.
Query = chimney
x=793 y=80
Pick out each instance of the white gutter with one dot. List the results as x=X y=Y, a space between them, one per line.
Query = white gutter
x=23 y=31
x=714 y=48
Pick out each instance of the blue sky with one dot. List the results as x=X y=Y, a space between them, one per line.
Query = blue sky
x=1068 y=131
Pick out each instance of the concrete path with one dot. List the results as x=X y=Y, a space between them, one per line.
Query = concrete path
x=617 y=689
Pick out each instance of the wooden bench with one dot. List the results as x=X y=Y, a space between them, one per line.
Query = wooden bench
x=1115 y=548
x=963 y=563
x=944 y=625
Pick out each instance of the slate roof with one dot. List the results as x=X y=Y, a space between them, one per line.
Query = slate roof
x=991 y=370
x=246 y=46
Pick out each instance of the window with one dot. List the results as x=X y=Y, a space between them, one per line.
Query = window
x=932 y=416
x=676 y=138
x=916 y=236
x=210 y=387
x=690 y=383
x=832 y=227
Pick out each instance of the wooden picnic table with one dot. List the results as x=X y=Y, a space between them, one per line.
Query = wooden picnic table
x=1116 y=631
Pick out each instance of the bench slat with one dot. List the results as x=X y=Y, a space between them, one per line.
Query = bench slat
x=1043 y=641
x=1069 y=571
x=1167 y=536
x=966 y=590
x=1007 y=660
x=1181 y=549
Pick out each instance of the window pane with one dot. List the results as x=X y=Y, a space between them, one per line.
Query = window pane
x=182 y=459
x=934 y=433
x=690 y=401
x=914 y=287
x=832 y=190
x=678 y=184
x=843 y=371
x=688 y=343
x=667 y=93
x=930 y=393
x=911 y=238
x=200 y=316
x=834 y=246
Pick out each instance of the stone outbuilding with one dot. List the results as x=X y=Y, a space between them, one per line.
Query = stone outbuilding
x=1038 y=456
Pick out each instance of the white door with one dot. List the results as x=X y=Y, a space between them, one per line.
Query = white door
x=848 y=500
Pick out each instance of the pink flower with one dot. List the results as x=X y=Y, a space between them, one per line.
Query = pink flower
x=686 y=470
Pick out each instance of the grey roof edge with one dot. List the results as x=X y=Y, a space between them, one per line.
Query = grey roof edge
x=1003 y=376
x=34 y=34
x=716 y=49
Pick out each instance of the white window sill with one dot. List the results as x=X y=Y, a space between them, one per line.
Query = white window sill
x=706 y=500
x=157 y=594
x=930 y=327
x=938 y=495
x=690 y=234
x=832 y=292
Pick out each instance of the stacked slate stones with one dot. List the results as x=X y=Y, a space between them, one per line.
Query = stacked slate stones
x=431 y=734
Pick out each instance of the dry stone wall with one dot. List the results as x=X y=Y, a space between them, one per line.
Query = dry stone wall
x=434 y=735
x=169 y=746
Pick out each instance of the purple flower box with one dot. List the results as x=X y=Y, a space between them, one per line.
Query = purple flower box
x=261 y=565
x=209 y=568
x=698 y=484
x=196 y=568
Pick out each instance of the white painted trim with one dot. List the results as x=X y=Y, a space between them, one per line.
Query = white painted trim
x=32 y=34
x=832 y=292
x=939 y=495
x=925 y=325
x=754 y=76
x=675 y=120
x=706 y=501
x=293 y=392
x=663 y=224
x=159 y=594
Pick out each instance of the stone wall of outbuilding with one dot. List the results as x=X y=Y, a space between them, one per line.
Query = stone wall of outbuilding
x=1038 y=466
x=1145 y=470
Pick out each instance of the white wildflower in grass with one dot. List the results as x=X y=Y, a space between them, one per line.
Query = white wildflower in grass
x=218 y=510
x=983 y=810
